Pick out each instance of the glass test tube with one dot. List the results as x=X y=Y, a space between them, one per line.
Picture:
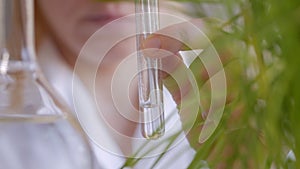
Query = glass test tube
x=149 y=82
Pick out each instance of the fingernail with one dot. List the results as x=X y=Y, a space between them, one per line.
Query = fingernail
x=152 y=42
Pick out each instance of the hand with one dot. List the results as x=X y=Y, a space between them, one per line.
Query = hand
x=167 y=42
x=196 y=34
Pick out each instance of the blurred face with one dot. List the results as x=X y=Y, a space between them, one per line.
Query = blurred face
x=72 y=22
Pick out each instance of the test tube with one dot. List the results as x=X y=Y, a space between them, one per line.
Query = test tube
x=149 y=79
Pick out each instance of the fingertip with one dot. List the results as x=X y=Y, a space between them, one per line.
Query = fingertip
x=152 y=42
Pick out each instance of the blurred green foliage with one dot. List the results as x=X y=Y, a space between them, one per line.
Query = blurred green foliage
x=267 y=130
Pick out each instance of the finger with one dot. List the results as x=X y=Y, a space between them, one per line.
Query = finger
x=176 y=77
x=171 y=63
x=195 y=34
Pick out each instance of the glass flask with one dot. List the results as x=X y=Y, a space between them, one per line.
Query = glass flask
x=36 y=130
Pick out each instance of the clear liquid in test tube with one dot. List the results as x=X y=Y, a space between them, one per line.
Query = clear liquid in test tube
x=149 y=82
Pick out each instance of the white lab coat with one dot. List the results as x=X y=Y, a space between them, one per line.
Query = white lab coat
x=107 y=151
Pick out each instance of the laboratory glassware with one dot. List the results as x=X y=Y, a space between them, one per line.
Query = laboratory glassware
x=36 y=130
x=150 y=86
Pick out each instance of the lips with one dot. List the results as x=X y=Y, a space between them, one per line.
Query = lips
x=101 y=19
x=102 y=13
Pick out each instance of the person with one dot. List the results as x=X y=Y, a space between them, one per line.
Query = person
x=64 y=28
